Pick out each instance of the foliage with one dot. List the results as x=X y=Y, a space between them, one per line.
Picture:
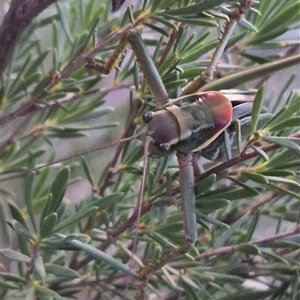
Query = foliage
x=69 y=221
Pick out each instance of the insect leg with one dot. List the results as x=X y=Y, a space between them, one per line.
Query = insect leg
x=112 y=61
x=187 y=183
x=149 y=70
x=186 y=177
x=207 y=76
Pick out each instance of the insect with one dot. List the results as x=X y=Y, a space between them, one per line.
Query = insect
x=192 y=123
x=155 y=172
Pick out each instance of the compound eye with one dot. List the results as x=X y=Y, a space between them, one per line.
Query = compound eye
x=163 y=147
x=148 y=116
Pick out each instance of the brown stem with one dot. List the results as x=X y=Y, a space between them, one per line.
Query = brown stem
x=167 y=48
x=252 y=208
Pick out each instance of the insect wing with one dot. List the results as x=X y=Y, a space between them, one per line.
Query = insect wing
x=217 y=149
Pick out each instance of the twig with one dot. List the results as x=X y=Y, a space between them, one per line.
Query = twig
x=231 y=249
x=167 y=48
x=252 y=208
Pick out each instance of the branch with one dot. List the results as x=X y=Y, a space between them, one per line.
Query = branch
x=17 y=19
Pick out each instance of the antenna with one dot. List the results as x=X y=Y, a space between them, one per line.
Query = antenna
x=86 y=151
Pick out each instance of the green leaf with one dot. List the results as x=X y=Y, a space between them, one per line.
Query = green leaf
x=22 y=230
x=158 y=212
x=48 y=293
x=134 y=156
x=14 y=255
x=285 y=88
x=61 y=271
x=247 y=25
x=13 y=278
x=175 y=84
x=205 y=22
x=285 y=113
x=247 y=248
x=247 y=191
x=160 y=169
x=196 y=8
x=252 y=226
x=102 y=256
x=196 y=52
x=87 y=171
x=249 y=74
x=256 y=109
x=282 y=158
x=278 y=172
x=291 y=122
x=26 y=159
x=76 y=217
x=171 y=60
x=165 y=22
x=235 y=193
x=226 y=278
x=84 y=238
x=284 y=191
x=211 y=220
x=284 y=17
x=48 y=225
x=255 y=177
x=283 y=180
x=227 y=234
x=28 y=197
x=160 y=5
x=47 y=207
x=107 y=201
x=274 y=257
x=282 y=141
x=205 y=184
x=39 y=266
x=211 y=203
x=7 y=285
x=37 y=62
x=247 y=294
x=17 y=215
x=260 y=152
x=157 y=29
x=57 y=191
